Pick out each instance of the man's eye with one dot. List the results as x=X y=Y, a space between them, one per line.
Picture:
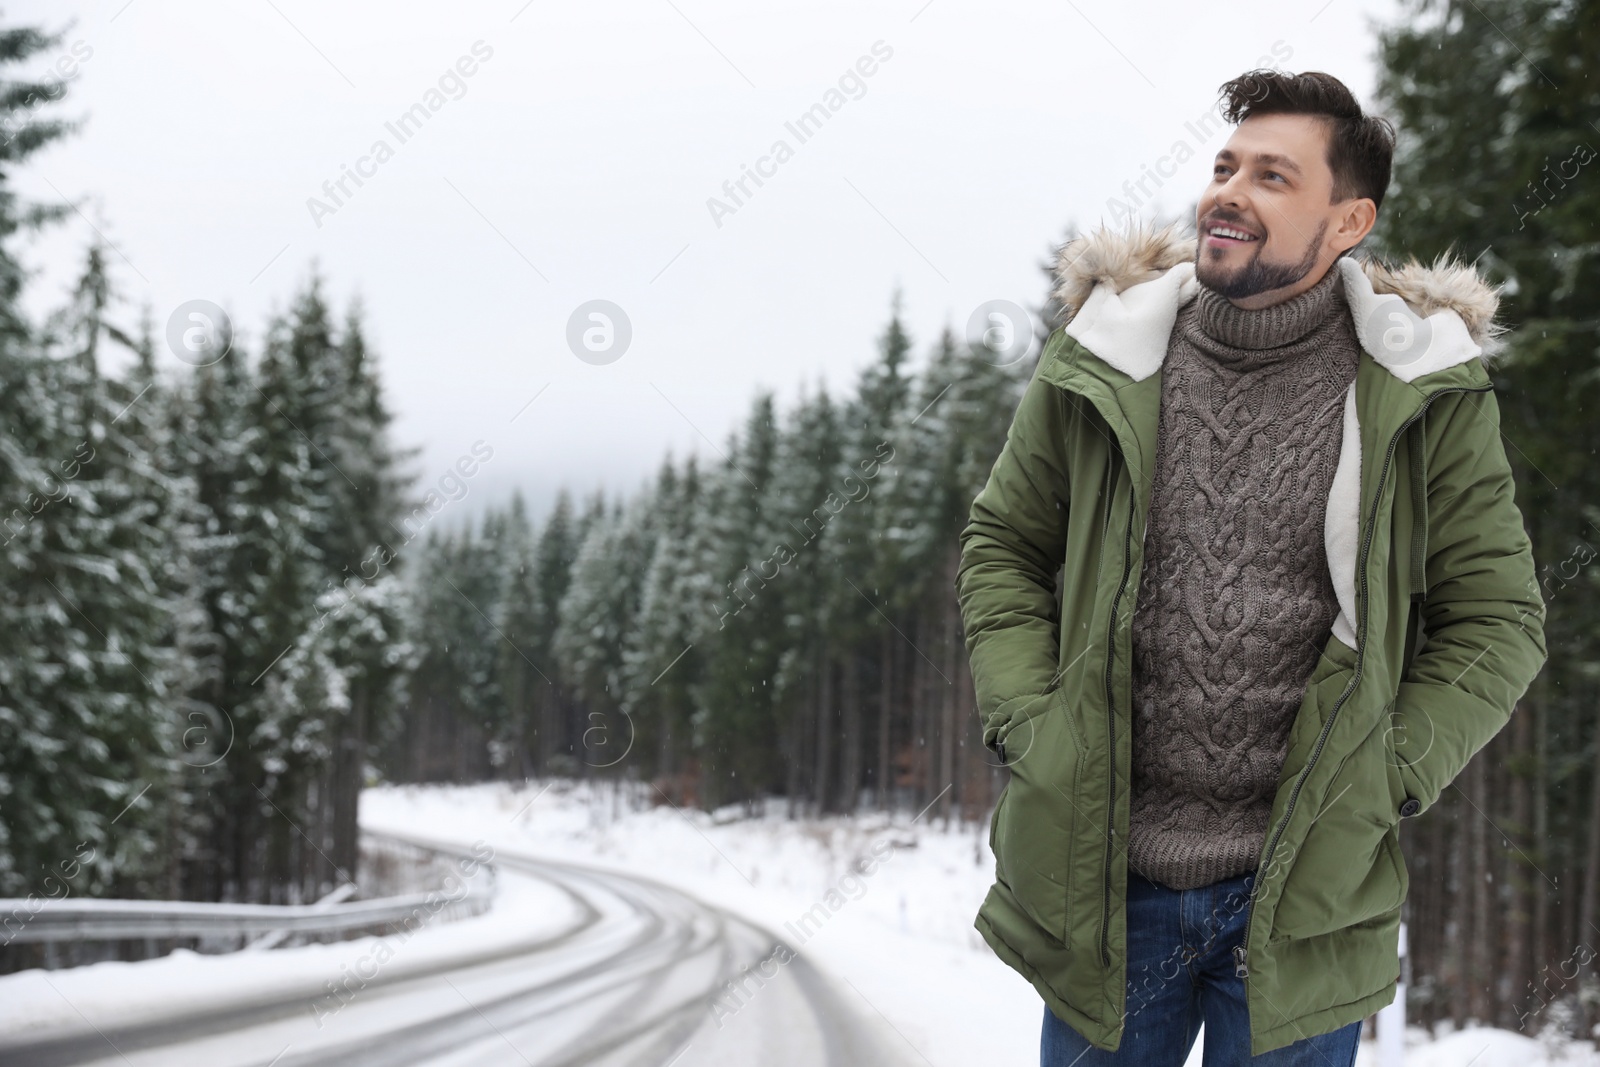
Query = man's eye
x=1275 y=174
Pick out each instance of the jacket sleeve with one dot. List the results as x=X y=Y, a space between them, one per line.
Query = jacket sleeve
x=1483 y=617
x=1011 y=549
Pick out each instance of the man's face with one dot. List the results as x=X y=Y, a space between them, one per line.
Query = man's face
x=1272 y=183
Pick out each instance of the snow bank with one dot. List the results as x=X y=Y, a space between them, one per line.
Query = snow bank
x=113 y=994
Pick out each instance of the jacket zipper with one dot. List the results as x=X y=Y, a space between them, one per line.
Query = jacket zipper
x=1240 y=951
x=1111 y=733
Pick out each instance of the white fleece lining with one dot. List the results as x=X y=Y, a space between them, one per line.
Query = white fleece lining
x=1444 y=339
x=1130 y=329
x=1341 y=528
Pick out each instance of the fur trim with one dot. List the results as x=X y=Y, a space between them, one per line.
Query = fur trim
x=1448 y=285
x=1120 y=260
x=1145 y=252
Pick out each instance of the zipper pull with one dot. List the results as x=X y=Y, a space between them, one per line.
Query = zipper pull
x=1240 y=969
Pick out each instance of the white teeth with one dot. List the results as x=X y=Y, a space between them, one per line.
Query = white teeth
x=1223 y=231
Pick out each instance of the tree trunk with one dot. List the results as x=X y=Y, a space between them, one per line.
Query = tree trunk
x=1541 y=819
x=949 y=639
x=349 y=767
x=1480 y=937
x=824 y=733
x=850 y=743
x=886 y=658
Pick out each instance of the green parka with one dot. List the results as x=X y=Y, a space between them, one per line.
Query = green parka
x=1439 y=633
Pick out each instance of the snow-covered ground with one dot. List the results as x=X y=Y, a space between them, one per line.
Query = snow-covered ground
x=902 y=938
x=899 y=940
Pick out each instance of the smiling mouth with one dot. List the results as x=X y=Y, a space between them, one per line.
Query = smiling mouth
x=1229 y=236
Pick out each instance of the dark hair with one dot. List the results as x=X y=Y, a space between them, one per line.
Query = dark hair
x=1360 y=146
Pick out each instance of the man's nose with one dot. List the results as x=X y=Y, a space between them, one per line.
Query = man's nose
x=1233 y=193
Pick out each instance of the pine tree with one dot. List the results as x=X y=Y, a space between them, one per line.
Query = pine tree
x=522 y=613
x=214 y=442
x=552 y=733
x=741 y=659
x=97 y=595
x=802 y=500
x=43 y=802
x=867 y=566
x=598 y=614
x=1512 y=191
x=297 y=499
x=661 y=667
x=454 y=701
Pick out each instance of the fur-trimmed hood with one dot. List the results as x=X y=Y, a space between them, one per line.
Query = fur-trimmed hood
x=1121 y=292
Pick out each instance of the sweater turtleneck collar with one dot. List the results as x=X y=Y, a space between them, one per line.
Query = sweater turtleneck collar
x=1263 y=335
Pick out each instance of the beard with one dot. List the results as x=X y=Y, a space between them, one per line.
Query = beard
x=1256 y=276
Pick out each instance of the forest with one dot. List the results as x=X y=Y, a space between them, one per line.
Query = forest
x=231 y=601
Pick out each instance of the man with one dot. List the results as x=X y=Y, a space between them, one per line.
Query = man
x=1295 y=597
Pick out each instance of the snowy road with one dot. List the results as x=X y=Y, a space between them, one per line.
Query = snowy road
x=638 y=977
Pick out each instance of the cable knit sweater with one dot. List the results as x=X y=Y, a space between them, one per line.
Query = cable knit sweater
x=1236 y=601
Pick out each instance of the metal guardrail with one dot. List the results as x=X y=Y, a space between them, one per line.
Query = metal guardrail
x=38 y=920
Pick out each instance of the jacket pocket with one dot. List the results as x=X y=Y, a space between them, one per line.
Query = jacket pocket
x=1032 y=829
x=1348 y=868
x=1008 y=714
x=1016 y=732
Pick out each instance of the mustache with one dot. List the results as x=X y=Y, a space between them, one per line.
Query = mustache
x=1230 y=220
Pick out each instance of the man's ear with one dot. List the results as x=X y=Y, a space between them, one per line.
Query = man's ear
x=1356 y=220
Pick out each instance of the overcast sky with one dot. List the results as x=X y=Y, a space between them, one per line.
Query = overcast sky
x=576 y=160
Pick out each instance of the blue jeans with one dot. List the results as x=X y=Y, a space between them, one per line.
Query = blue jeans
x=1180 y=973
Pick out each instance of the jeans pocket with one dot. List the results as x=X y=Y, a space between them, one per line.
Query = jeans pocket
x=1230 y=900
